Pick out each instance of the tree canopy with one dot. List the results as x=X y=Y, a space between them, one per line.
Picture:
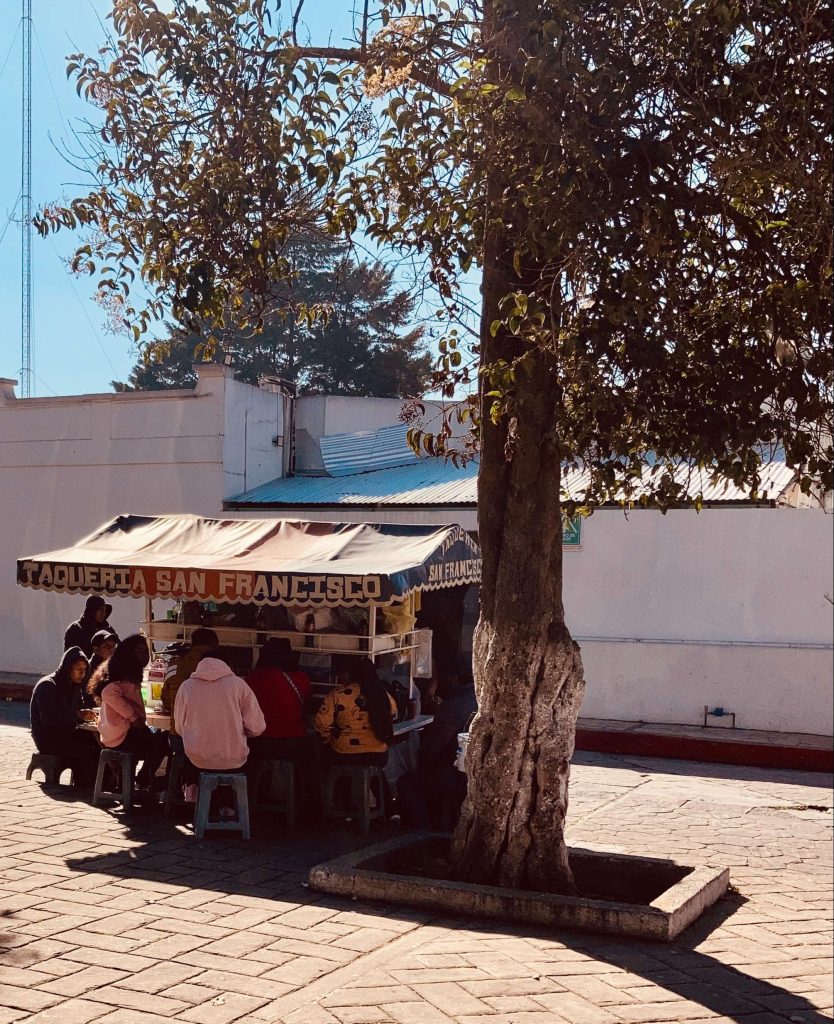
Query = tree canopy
x=663 y=172
x=646 y=190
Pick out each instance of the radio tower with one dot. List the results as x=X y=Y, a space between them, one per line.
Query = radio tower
x=26 y=207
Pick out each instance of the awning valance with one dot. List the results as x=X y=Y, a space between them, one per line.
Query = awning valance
x=260 y=561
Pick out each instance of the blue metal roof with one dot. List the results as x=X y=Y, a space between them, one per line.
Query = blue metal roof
x=366 y=450
x=431 y=482
x=428 y=481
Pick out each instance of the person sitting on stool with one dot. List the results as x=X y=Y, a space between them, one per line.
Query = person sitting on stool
x=356 y=721
x=431 y=796
x=55 y=711
x=282 y=693
x=216 y=712
x=118 y=685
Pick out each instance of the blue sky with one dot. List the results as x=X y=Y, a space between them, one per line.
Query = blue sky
x=73 y=353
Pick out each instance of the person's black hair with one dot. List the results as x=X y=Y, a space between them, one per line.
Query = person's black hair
x=123 y=666
x=203 y=637
x=277 y=653
x=377 y=702
x=98 y=680
x=228 y=655
x=463 y=671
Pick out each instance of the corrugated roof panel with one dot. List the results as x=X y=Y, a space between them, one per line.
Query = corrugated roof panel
x=430 y=481
x=425 y=482
x=364 y=451
x=776 y=478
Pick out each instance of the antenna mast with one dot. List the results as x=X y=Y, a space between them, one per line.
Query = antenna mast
x=26 y=206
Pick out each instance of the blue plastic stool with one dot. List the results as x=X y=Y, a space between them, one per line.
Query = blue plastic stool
x=209 y=781
x=123 y=765
x=360 y=780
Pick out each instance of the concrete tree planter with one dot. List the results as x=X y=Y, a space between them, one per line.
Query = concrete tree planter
x=642 y=897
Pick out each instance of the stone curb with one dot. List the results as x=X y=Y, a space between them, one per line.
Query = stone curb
x=661 y=921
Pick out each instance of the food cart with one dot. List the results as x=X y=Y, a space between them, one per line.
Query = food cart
x=374 y=575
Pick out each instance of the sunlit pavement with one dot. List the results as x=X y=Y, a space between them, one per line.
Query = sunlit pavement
x=133 y=922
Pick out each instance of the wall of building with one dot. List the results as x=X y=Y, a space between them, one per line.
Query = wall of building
x=69 y=464
x=725 y=608
x=253 y=422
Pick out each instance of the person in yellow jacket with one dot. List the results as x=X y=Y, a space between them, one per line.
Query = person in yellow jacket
x=356 y=721
x=202 y=642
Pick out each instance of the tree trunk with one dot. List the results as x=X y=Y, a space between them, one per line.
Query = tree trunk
x=528 y=671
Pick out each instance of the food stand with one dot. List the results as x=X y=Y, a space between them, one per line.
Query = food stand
x=373 y=575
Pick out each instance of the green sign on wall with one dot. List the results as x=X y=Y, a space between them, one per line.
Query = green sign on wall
x=571 y=531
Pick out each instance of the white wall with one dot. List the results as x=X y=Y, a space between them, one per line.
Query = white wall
x=739 y=585
x=253 y=419
x=69 y=464
x=754 y=576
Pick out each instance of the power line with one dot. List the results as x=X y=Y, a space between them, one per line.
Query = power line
x=11 y=47
x=9 y=218
x=93 y=328
x=61 y=114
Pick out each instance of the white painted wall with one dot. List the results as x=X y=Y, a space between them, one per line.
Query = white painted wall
x=757 y=576
x=253 y=420
x=68 y=464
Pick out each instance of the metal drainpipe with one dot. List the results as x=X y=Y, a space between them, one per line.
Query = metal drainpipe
x=287 y=390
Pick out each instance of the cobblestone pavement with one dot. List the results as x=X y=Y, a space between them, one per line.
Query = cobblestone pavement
x=132 y=923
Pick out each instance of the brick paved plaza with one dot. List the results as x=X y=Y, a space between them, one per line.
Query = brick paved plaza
x=133 y=923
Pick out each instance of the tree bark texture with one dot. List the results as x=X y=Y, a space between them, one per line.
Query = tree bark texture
x=528 y=670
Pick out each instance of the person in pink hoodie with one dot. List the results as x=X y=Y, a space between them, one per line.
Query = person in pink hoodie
x=121 y=724
x=215 y=712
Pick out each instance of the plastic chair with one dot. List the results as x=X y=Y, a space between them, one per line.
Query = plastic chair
x=123 y=766
x=209 y=781
x=360 y=780
x=50 y=764
x=276 y=779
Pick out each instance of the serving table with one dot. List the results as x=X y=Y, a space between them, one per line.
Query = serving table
x=162 y=720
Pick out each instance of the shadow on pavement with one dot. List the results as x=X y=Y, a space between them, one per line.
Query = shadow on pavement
x=275 y=868
x=685 y=972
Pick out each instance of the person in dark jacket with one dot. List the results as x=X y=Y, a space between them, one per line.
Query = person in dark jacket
x=104 y=644
x=431 y=796
x=54 y=713
x=81 y=632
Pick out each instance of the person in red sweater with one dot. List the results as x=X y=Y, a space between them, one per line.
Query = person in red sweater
x=282 y=693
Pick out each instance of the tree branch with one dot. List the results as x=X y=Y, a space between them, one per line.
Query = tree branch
x=295 y=18
x=353 y=55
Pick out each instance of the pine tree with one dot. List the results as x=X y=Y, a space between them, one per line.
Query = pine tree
x=363 y=346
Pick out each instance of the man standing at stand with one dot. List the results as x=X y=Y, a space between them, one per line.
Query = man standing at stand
x=81 y=632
